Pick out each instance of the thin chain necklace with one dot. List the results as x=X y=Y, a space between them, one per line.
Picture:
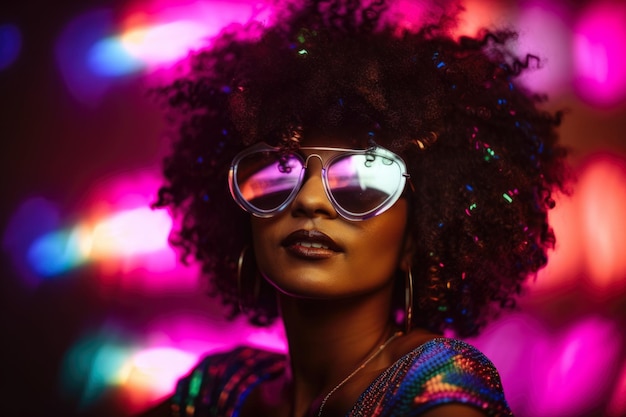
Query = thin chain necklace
x=353 y=373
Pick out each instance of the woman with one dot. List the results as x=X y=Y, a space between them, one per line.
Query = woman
x=395 y=184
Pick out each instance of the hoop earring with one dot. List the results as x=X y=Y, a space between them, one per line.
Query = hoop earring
x=250 y=300
x=408 y=300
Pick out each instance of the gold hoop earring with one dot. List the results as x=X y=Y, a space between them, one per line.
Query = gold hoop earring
x=408 y=300
x=250 y=300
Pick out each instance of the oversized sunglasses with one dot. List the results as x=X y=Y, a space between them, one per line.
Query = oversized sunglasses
x=359 y=183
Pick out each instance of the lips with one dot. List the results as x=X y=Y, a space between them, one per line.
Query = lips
x=311 y=244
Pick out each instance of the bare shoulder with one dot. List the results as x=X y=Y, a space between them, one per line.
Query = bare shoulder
x=457 y=410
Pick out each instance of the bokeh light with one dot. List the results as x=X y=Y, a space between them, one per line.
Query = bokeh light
x=545 y=32
x=567 y=362
x=599 y=45
x=602 y=193
x=32 y=219
x=146 y=364
x=96 y=48
x=616 y=406
x=10 y=44
x=590 y=227
x=74 y=55
x=60 y=251
x=95 y=363
x=118 y=233
x=563 y=367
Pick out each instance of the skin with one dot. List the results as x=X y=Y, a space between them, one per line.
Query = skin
x=335 y=304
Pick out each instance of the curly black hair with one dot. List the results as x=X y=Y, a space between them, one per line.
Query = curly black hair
x=484 y=159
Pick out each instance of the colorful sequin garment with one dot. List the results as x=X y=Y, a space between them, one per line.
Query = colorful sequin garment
x=441 y=371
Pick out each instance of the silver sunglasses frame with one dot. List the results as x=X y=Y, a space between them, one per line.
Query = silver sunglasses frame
x=341 y=152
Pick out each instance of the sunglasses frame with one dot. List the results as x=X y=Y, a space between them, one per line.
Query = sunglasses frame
x=341 y=152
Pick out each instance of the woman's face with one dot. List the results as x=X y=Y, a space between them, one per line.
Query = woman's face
x=308 y=250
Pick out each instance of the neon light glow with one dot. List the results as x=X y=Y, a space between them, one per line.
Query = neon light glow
x=118 y=233
x=146 y=367
x=94 y=49
x=10 y=44
x=109 y=58
x=59 y=251
x=565 y=366
x=591 y=231
x=131 y=232
x=93 y=364
x=547 y=373
x=602 y=190
x=545 y=32
x=599 y=45
x=617 y=402
x=163 y=43
x=124 y=234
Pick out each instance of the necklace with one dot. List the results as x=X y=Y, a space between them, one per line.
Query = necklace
x=353 y=373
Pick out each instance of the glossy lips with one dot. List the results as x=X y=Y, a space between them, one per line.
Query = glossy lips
x=310 y=244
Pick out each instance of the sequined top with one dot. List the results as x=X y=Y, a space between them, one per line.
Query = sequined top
x=441 y=371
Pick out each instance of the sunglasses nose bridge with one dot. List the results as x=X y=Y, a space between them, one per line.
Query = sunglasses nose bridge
x=313 y=155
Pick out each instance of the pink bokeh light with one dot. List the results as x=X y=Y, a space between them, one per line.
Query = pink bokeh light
x=616 y=406
x=590 y=228
x=116 y=232
x=602 y=193
x=189 y=336
x=564 y=365
x=546 y=372
x=599 y=45
x=544 y=29
x=98 y=46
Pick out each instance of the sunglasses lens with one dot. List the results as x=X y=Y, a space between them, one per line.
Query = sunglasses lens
x=363 y=183
x=266 y=179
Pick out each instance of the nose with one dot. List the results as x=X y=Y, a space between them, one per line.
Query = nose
x=311 y=200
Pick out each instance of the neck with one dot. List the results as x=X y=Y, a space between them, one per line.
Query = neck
x=329 y=339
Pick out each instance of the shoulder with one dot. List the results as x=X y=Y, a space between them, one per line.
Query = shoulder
x=218 y=382
x=439 y=373
x=444 y=371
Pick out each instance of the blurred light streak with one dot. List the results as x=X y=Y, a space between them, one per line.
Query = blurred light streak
x=116 y=232
x=547 y=373
x=94 y=363
x=122 y=235
x=131 y=232
x=59 y=251
x=156 y=370
x=590 y=228
x=544 y=29
x=109 y=58
x=164 y=43
x=409 y=13
x=10 y=44
x=32 y=219
x=564 y=366
x=616 y=406
x=508 y=343
x=73 y=57
x=566 y=261
x=175 y=343
x=599 y=45
x=481 y=14
x=602 y=192
x=95 y=48
x=146 y=364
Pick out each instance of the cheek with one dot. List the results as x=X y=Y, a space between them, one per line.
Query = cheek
x=383 y=241
x=261 y=232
